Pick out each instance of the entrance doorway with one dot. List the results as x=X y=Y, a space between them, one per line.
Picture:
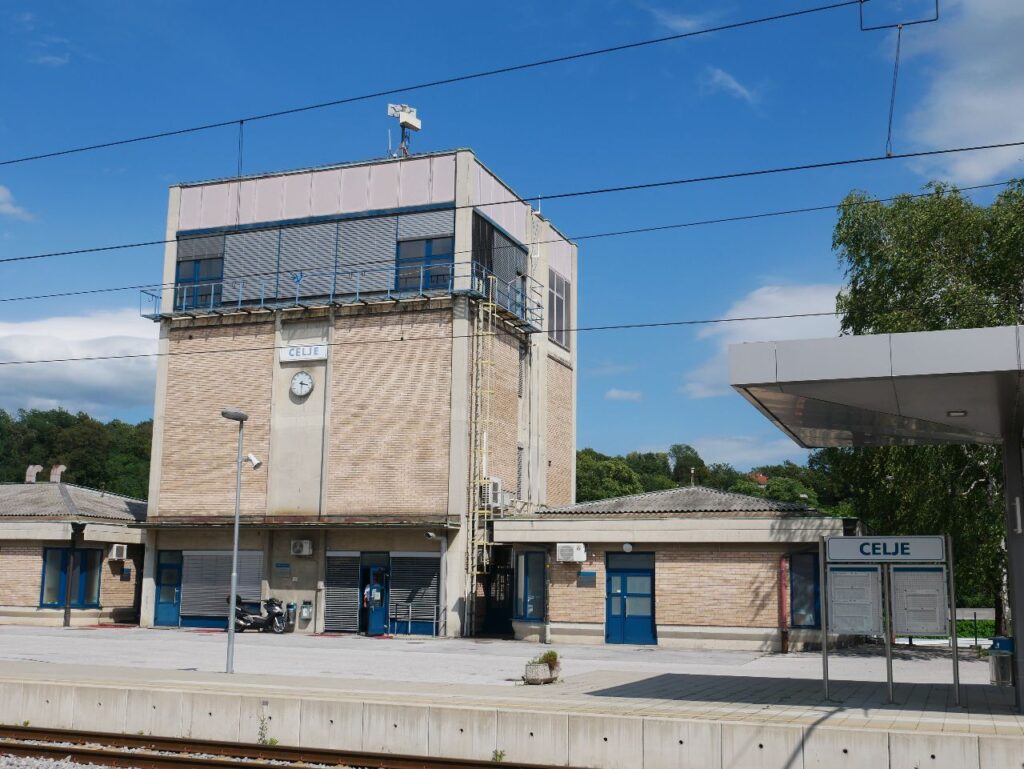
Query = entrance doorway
x=498 y=589
x=168 y=588
x=374 y=591
x=629 y=614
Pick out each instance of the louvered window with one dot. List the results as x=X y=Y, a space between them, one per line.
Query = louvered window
x=341 y=593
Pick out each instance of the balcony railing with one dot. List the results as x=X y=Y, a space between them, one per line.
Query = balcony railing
x=519 y=300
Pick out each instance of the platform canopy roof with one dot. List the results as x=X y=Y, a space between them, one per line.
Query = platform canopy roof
x=930 y=387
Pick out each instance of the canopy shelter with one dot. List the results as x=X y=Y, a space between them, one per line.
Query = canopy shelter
x=931 y=387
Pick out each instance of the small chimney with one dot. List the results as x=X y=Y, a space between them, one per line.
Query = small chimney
x=55 y=473
x=32 y=472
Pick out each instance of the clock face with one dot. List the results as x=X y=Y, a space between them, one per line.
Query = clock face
x=302 y=384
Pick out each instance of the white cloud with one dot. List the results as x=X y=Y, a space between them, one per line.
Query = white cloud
x=8 y=207
x=101 y=388
x=672 y=21
x=616 y=394
x=718 y=80
x=744 y=451
x=51 y=60
x=711 y=378
x=976 y=92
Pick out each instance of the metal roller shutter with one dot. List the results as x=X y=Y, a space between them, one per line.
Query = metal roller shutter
x=250 y=265
x=366 y=255
x=309 y=250
x=206 y=580
x=509 y=259
x=429 y=224
x=341 y=594
x=414 y=580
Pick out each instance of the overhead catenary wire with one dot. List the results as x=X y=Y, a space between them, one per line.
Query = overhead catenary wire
x=591 y=236
x=434 y=83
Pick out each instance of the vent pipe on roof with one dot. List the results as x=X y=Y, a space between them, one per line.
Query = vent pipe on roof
x=32 y=472
x=55 y=473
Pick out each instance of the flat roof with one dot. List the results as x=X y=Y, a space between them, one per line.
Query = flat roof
x=929 y=387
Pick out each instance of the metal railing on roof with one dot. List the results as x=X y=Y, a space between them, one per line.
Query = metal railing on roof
x=520 y=299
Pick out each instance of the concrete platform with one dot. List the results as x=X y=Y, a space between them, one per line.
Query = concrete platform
x=604 y=714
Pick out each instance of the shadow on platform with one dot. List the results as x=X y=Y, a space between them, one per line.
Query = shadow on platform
x=805 y=692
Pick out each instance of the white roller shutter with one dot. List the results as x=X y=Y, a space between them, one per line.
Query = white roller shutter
x=415 y=581
x=206 y=580
x=341 y=594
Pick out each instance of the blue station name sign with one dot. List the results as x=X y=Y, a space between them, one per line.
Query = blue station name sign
x=885 y=549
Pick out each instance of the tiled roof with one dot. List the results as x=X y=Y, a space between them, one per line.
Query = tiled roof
x=67 y=502
x=685 y=501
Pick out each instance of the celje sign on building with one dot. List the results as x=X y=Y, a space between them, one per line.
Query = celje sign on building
x=303 y=352
x=885 y=549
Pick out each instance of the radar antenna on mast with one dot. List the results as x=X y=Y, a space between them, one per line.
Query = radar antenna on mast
x=408 y=121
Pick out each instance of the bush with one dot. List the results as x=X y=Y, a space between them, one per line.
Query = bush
x=965 y=628
x=549 y=658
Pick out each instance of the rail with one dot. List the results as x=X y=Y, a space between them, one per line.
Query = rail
x=520 y=299
x=105 y=749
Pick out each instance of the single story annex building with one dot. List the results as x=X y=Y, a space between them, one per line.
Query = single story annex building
x=689 y=567
x=68 y=554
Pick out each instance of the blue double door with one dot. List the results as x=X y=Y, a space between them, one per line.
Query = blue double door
x=168 y=588
x=629 y=602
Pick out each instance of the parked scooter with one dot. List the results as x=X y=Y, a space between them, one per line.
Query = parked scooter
x=274 y=620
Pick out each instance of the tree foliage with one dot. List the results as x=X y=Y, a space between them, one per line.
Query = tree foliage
x=113 y=456
x=935 y=262
x=599 y=476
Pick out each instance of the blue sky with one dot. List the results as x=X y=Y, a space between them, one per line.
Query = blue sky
x=796 y=91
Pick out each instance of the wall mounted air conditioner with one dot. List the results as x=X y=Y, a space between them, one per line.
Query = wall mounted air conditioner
x=118 y=553
x=570 y=552
x=302 y=547
x=491 y=496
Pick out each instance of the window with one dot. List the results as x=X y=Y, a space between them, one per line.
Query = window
x=530 y=586
x=72 y=576
x=424 y=264
x=519 y=472
x=804 y=590
x=198 y=283
x=559 y=314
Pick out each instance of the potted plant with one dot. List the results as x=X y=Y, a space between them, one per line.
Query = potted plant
x=543 y=669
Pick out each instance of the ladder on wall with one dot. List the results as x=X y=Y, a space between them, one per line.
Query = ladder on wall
x=478 y=529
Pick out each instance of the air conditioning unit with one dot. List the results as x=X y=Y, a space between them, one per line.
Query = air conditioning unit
x=570 y=552
x=302 y=547
x=118 y=553
x=491 y=496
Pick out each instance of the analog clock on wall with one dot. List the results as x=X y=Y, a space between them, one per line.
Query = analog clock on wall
x=302 y=384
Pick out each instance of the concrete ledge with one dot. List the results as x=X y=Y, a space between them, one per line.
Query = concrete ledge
x=577 y=632
x=481 y=733
x=34 y=616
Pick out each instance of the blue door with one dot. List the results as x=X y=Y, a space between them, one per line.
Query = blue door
x=629 y=615
x=168 y=588
x=376 y=602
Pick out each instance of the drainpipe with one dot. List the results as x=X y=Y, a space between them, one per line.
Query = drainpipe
x=72 y=577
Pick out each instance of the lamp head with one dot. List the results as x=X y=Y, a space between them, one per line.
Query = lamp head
x=234 y=414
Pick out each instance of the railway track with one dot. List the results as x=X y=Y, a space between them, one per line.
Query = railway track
x=118 y=750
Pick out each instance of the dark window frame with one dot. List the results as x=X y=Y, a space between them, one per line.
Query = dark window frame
x=430 y=264
x=815 y=577
x=528 y=562
x=559 y=309
x=66 y=564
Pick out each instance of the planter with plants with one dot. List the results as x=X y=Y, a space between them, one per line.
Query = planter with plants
x=543 y=669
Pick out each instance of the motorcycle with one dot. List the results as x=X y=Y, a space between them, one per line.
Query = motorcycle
x=274 y=620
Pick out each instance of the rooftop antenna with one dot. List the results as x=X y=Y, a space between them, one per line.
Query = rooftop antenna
x=408 y=121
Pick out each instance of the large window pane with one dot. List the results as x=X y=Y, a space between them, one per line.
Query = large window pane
x=636 y=583
x=520 y=583
x=530 y=586
x=638 y=606
x=442 y=246
x=91 y=563
x=630 y=560
x=412 y=249
x=804 y=590
x=52 y=561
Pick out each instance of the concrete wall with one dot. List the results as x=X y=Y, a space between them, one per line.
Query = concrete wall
x=482 y=733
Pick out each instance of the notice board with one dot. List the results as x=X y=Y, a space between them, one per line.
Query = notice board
x=919 y=600
x=855 y=600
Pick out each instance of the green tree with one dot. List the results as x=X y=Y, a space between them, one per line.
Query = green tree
x=721 y=475
x=652 y=467
x=746 y=486
x=684 y=457
x=599 y=476
x=935 y=262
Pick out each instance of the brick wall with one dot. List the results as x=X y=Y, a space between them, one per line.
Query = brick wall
x=116 y=593
x=712 y=585
x=198 y=468
x=390 y=407
x=503 y=434
x=561 y=437
x=21 y=569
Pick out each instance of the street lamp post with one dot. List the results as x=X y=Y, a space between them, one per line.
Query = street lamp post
x=240 y=417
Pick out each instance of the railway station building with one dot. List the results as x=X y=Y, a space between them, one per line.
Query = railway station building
x=689 y=567
x=398 y=332
x=68 y=553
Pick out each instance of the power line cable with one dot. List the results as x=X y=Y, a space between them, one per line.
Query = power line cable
x=435 y=83
x=391 y=262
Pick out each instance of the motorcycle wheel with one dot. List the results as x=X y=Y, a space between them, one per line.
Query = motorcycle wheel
x=277 y=625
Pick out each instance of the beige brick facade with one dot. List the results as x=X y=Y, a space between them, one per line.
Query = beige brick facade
x=209 y=368
x=561 y=437
x=21 y=568
x=389 y=430
x=695 y=585
x=503 y=432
